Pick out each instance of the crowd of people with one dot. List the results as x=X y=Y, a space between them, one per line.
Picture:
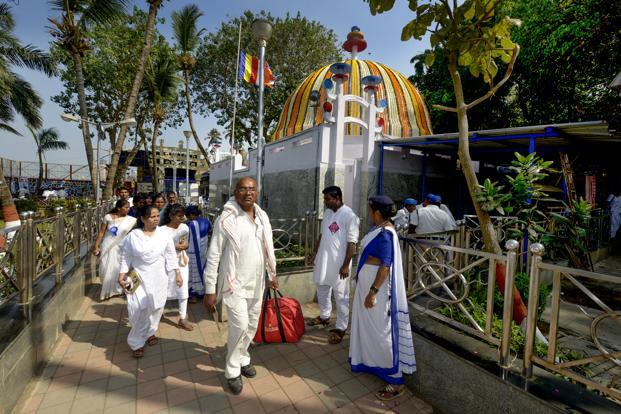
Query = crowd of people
x=152 y=249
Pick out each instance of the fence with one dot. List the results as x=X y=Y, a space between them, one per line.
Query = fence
x=38 y=248
x=444 y=280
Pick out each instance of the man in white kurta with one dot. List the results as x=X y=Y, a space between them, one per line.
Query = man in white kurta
x=332 y=259
x=403 y=217
x=240 y=252
x=431 y=219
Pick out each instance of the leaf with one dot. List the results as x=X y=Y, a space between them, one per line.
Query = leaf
x=429 y=59
x=506 y=43
x=469 y=14
x=475 y=70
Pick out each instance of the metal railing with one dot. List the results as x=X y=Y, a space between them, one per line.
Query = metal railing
x=551 y=362
x=436 y=269
x=38 y=248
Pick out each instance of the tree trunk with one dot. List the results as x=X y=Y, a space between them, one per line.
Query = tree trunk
x=487 y=228
x=188 y=100
x=485 y=222
x=133 y=98
x=8 y=212
x=86 y=135
x=154 y=176
x=40 y=179
x=130 y=158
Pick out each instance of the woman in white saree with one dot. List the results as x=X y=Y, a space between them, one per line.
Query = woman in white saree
x=117 y=223
x=381 y=335
x=150 y=252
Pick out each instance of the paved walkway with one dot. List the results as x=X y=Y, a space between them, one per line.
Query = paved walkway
x=92 y=371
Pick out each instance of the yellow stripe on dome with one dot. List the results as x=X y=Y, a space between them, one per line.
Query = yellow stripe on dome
x=406 y=113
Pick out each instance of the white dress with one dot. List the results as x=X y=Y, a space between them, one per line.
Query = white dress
x=174 y=291
x=110 y=256
x=152 y=258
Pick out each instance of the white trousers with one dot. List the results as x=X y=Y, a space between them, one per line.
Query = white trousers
x=341 y=297
x=243 y=315
x=144 y=324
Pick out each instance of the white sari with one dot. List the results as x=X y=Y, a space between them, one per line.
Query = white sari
x=110 y=256
x=381 y=337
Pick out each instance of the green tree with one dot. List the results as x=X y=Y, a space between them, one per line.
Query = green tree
x=70 y=31
x=17 y=95
x=161 y=84
x=471 y=36
x=298 y=46
x=46 y=140
x=187 y=38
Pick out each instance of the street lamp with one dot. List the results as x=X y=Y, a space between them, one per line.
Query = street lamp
x=130 y=122
x=263 y=31
x=187 y=134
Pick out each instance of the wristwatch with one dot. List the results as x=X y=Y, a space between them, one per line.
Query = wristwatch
x=373 y=289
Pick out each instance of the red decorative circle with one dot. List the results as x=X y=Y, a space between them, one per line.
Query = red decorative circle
x=327 y=106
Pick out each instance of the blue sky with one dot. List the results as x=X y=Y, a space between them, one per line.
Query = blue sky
x=382 y=33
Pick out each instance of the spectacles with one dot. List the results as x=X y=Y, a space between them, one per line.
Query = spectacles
x=247 y=189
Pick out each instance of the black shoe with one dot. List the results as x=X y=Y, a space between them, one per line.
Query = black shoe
x=248 y=371
x=236 y=385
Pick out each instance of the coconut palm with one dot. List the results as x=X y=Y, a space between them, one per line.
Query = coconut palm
x=16 y=95
x=46 y=140
x=161 y=82
x=187 y=37
x=70 y=31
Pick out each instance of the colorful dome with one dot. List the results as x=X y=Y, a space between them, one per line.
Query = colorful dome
x=405 y=116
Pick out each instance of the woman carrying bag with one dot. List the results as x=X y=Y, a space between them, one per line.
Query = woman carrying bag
x=149 y=253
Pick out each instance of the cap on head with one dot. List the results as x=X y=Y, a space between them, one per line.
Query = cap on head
x=410 y=202
x=381 y=200
x=432 y=198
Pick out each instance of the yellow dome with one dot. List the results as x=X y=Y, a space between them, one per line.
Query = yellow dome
x=405 y=116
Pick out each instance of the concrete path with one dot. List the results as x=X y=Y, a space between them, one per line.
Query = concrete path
x=92 y=371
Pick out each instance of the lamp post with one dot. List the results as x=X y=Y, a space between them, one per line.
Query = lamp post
x=131 y=122
x=263 y=31
x=187 y=134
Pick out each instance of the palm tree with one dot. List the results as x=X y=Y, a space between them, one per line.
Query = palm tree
x=161 y=82
x=187 y=37
x=70 y=32
x=16 y=95
x=154 y=6
x=46 y=140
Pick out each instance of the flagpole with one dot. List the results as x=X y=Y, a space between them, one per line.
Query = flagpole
x=232 y=159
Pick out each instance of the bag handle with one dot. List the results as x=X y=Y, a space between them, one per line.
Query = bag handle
x=266 y=297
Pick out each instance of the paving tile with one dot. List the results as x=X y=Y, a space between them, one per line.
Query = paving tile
x=274 y=400
x=307 y=368
x=120 y=396
x=286 y=376
x=214 y=402
x=58 y=397
x=150 y=373
x=56 y=409
x=182 y=379
x=319 y=382
x=32 y=403
x=172 y=356
x=181 y=395
x=311 y=405
x=298 y=390
x=334 y=398
x=121 y=380
x=156 y=386
x=251 y=406
x=265 y=384
x=92 y=388
x=152 y=404
x=186 y=408
x=127 y=408
x=176 y=367
x=94 y=403
x=287 y=410
x=353 y=409
x=370 y=404
x=247 y=393
x=338 y=374
x=276 y=364
x=208 y=386
x=58 y=383
x=353 y=388
x=94 y=374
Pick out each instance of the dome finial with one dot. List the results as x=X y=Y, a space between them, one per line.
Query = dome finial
x=355 y=42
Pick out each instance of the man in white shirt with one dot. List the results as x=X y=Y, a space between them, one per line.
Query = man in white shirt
x=241 y=250
x=403 y=217
x=430 y=219
x=614 y=203
x=332 y=256
x=445 y=208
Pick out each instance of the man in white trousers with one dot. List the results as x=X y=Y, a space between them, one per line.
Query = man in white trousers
x=240 y=252
x=332 y=256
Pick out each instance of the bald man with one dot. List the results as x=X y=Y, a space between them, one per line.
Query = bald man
x=240 y=252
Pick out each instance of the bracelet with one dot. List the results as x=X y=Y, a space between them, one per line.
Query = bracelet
x=373 y=289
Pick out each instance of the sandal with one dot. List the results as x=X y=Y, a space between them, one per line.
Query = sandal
x=138 y=353
x=152 y=340
x=318 y=321
x=390 y=393
x=336 y=336
x=185 y=324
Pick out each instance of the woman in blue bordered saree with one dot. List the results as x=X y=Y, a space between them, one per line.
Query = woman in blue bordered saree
x=381 y=335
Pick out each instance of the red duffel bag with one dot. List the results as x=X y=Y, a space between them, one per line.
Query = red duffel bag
x=281 y=319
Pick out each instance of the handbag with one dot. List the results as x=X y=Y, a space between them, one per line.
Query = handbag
x=281 y=319
x=135 y=280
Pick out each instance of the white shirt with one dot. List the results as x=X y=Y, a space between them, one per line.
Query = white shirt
x=401 y=219
x=431 y=219
x=445 y=208
x=337 y=229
